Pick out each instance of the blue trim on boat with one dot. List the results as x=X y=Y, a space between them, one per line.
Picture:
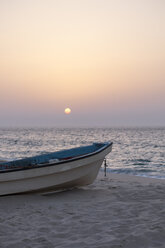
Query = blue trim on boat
x=61 y=157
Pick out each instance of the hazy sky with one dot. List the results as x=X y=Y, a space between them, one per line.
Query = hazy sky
x=105 y=59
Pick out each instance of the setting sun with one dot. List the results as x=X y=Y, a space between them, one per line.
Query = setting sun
x=103 y=59
x=67 y=111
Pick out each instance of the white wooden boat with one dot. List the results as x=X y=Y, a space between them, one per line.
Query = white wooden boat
x=58 y=170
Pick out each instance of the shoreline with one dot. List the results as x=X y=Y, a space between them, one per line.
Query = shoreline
x=109 y=171
x=115 y=211
x=131 y=177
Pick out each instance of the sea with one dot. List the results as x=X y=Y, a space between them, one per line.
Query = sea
x=136 y=151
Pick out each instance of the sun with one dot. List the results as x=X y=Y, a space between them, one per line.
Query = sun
x=67 y=111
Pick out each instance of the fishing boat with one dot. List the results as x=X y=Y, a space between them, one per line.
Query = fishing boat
x=63 y=169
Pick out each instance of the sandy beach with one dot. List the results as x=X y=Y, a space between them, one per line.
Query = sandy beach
x=115 y=211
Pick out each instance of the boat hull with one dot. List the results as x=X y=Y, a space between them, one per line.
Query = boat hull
x=58 y=176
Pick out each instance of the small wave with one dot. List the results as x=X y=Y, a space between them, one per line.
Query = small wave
x=144 y=170
x=139 y=163
x=129 y=172
x=140 y=160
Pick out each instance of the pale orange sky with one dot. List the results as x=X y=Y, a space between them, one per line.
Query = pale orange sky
x=102 y=58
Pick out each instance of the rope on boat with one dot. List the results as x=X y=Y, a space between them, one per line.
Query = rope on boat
x=105 y=167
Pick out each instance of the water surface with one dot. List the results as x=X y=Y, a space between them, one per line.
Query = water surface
x=137 y=151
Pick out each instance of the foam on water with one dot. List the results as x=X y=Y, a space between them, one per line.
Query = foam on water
x=136 y=151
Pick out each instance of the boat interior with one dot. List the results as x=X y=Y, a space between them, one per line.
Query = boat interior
x=51 y=158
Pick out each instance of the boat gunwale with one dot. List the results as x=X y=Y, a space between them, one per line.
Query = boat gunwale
x=105 y=146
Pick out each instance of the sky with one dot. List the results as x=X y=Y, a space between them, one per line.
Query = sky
x=103 y=59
